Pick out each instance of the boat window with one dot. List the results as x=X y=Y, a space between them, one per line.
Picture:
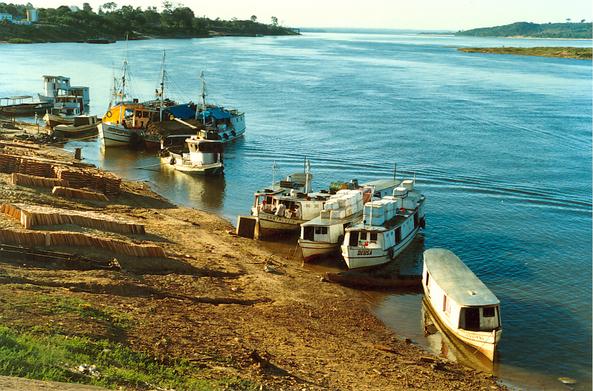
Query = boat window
x=373 y=237
x=488 y=312
x=444 y=302
x=308 y=233
x=353 y=238
x=398 y=235
x=138 y=114
x=320 y=230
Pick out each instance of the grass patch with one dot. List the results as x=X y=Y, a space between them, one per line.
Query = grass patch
x=19 y=40
x=562 y=52
x=57 y=357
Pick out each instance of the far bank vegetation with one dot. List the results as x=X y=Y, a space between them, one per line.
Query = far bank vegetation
x=562 y=52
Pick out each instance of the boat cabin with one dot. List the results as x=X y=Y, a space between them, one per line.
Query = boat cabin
x=68 y=105
x=291 y=204
x=203 y=152
x=130 y=115
x=457 y=295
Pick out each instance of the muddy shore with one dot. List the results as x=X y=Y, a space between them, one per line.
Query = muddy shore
x=229 y=312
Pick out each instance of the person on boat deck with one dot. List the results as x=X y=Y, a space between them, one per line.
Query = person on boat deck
x=280 y=210
x=297 y=212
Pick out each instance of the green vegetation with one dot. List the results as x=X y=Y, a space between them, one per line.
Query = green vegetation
x=59 y=357
x=533 y=30
x=563 y=52
x=62 y=24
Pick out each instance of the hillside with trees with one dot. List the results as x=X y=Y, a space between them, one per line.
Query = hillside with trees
x=109 y=21
x=534 y=30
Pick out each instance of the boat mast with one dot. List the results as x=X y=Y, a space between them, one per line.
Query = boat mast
x=162 y=92
x=203 y=98
x=274 y=168
x=307 y=174
x=123 y=80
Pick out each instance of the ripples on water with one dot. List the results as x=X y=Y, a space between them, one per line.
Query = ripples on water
x=500 y=145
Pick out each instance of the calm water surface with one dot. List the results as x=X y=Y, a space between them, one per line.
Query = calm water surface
x=500 y=145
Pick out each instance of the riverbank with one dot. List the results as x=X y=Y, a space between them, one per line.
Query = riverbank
x=217 y=311
x=561 y=52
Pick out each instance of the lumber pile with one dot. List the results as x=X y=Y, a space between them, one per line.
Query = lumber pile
x=106 y=183
x=78 y=239
x=76 y=177
x=35 y=181
x=33 y=216
x=23 y=238
x=68 y=192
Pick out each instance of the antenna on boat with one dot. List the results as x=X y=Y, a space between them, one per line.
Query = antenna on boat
x=307 y=164
x=162 y=91
x=125 y=69
x=394 y=170
x=414 y=178
x=203 y=98
x=274 y=168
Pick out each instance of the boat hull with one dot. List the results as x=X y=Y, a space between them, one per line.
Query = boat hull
x=483 y=342
x=117 y=136
x=52 y=120
x=363 y=257
x=270 y=224
x=76 y=132
x=204 y=170
x=24 y=109
x=315 y=250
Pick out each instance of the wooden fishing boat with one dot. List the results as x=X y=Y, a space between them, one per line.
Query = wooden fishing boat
x=22 y=109
x=464 y=306
x=83 y=126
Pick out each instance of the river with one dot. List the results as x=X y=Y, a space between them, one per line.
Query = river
x=499 y=144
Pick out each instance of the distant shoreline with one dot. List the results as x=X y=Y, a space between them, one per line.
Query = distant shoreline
x=557 y=52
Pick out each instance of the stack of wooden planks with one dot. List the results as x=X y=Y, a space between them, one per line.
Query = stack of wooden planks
x=34 y=216
x=35 y=181
x=23 y=238
x=68 y=192
x=76 y=177
x=77 y=239
x=106 y=183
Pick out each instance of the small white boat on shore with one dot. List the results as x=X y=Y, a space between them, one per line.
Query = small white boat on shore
x=323 y=235
x=389 y=225
x=461 y=302
x=204 y=157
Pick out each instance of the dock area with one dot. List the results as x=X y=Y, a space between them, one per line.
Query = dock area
x=177 y=287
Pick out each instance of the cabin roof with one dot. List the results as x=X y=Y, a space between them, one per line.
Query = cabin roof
x=456 y=279
x=381 y=184
x=319 y=221
x=18 y=97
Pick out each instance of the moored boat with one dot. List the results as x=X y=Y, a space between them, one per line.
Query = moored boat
x=461 y=302
x=65 y=108
x=15 y=106
x=323 y=235
x=204 y=157
x=389 y=225
x=287 y=204
x=124 y=124
x=83 y=126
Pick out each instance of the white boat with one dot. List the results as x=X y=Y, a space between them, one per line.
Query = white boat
x=389 y=225
x=54 y=86
x=461 y=302
x=288 y=204
x=324 y=234
x=204 y=157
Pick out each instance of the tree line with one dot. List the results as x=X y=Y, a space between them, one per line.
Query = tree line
x=115 y=22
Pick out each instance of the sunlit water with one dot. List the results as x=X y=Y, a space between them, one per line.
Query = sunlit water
x=500 y=145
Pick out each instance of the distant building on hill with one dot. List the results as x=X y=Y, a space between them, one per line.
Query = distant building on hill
x=5 y=16
x=32 y=15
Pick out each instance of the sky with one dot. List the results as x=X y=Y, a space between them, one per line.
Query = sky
x=394 y=14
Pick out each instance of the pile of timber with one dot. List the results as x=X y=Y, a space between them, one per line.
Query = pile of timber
x=104 y=182
x=77 y=239
x=35 y=181
x=69 y=192
x=33 y=216
x=76 y=177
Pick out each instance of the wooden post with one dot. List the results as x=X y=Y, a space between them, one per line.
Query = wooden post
x=78 y=154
